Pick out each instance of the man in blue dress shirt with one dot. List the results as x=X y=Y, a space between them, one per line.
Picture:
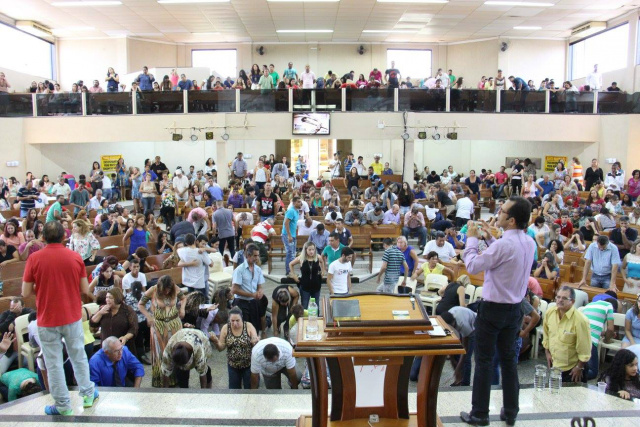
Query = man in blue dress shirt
x=115 y=366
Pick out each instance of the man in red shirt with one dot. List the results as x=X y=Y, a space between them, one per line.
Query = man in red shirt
x=61 y=277
x=566 y=228
x=501 y=182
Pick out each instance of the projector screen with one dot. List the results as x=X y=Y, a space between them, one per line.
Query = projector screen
x=311 y=123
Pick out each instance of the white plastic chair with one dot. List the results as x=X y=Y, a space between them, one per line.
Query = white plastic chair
x=537 y=332
x=469 y=292
x=22 y=324
x=92 y=308
x=615 y=344
x=477 y=295
x=433 y=282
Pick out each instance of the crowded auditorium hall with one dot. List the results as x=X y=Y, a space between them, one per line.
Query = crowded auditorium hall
x=370 y=212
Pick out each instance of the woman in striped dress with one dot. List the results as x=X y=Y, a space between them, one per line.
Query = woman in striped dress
x=576 y=171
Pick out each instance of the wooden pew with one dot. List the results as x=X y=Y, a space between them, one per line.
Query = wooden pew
x=5 y=303
x=549 y=288
x=362 y=247
x=276 y=250
x=592 y=291
x=120 y=252
x=13 y=270
x=157 y=260
x=175 y=273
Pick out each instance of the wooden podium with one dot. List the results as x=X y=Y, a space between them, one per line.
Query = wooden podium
x=377 y=351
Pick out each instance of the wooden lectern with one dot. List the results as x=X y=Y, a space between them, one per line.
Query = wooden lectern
x=380 y=344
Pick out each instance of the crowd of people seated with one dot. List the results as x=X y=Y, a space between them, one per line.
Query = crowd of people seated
x=194 y=224
x=266 y=77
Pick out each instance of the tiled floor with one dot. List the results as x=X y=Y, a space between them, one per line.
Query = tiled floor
x=195 y=407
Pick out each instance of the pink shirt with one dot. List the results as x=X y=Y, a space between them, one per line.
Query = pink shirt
x=634 y=187
x=506 y=264
x=174 y=80
x=94 y=89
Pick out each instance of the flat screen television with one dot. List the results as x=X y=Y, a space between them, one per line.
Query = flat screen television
x=311 y=123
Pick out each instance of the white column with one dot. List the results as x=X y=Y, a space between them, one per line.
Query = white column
x=595 y=102
x=34 y=104
x=396 y=99
x=447 y=103
x=84 y=103
x=344 y=99
x=237 y=101
x=408 y=160
x=498 y=99
x=221 y=161
x=547 y=101
x=185 y=101
x=291 y=100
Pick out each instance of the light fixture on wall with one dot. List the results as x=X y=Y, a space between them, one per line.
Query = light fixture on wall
x=405 y=136
x=194 y=137
x=225 y=135
x=436 y=134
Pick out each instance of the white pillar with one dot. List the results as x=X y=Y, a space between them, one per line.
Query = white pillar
x=221 y=161
x=408 y=160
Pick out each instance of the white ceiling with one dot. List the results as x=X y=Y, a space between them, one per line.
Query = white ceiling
x=258 y=20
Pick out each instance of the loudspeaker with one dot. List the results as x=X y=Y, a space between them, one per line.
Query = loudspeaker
x=177 y=136
x=361 y=50
x=208 y=135
x=504 y=46
x=260 y=50
x=422 y=135
x=452 y=135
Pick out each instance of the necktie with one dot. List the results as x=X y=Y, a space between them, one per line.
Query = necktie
x=117 y=381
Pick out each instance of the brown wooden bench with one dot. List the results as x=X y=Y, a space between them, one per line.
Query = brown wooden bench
x=276 y=250
x=13 y=270
x=175 y=273
x=549 y=288
x=157 y=260
x=362 y=247
x=5 y=303
x=120 y=252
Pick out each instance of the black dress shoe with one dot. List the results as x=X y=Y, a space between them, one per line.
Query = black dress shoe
x=473 y=420
x=509 y=421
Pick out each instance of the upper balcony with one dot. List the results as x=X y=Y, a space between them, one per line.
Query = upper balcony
x=337 y=100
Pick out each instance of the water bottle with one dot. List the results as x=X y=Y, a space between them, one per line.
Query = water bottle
x=555 y=380
x=312 y=322
x=540 y=378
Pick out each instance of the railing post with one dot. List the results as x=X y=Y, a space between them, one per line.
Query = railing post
x=290 y=100
x=83 y=96
x=185 y=101
x=34 y=104
x=237 y=101
x=547 y=101
x=595 y=102
x=313 y=100
x=498 y=99
x=396 y=99
x=447 y=99
x=344 y=99
x=134 y=103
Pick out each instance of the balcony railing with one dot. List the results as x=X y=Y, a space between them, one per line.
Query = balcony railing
x=345 y=100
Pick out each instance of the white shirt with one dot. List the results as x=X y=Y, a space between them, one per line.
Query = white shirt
x=63 y=189
x=260 y=365
x=614 y=183
x=445 y=79
x=193 y=277
x=94 y=203
x=464 y=207
x=328 y=219
x=307 y=79
x=303 y=230
x=304 y=209
x=362 y=169
x=445 y=252
x=594 y=79
x=180 y=183
x=128 y=279
x=340 y=273
x=106 y=183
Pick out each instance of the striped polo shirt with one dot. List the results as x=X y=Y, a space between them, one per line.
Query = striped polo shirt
x=598 y=313
x=394 y=259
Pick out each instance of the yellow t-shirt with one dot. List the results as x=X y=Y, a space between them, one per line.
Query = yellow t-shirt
x=436 y=270
x=377 y=168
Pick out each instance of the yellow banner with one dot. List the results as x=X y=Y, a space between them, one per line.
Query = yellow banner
x=550 y=162
x=109 y=163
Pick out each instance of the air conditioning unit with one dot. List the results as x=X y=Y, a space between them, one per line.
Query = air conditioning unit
x=589 y=28
x=34 y=28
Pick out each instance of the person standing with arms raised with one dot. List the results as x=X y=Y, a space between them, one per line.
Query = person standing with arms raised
x=507 y=264
x=61 y=277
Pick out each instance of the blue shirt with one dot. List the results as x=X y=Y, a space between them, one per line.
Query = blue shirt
x=547 y=187
x=247 y=280
x=320 y=240
x=635 y=323
x=216 y=192
x=387 y=172
x=146 y=81
x=101 y=368
x=601 y=261
x=520 y=84
x=185 y=85
x=112 y=85
x=153 y=176
x=293 y=216
x=289 y=73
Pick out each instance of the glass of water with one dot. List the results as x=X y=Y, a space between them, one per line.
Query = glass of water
x=555 y=380
x=540 y=378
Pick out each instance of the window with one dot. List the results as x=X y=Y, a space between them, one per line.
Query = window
x=608 y=49
x=25 y=53
x=221 y=62
x=414 y=63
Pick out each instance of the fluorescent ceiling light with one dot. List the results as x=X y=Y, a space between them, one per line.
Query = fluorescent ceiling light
x=88 y=3
x=191 y=1
x=604 y=6
x=75 y=29
x=205 y=34
x=33 y=30
x=517 y=3
x=303 y=1
x=414 y=1
x=304 y=31
x=524 y=27
x=390 y=31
